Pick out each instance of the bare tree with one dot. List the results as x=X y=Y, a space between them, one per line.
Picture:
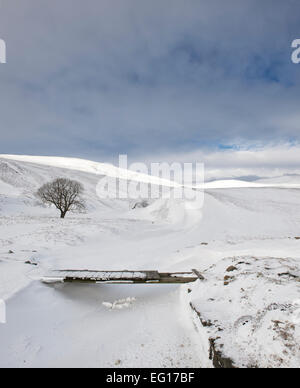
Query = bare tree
x=64 y=194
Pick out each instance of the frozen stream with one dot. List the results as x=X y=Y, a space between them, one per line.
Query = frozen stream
x=67 y=326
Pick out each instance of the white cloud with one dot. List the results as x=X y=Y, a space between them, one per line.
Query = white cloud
x=267 y=161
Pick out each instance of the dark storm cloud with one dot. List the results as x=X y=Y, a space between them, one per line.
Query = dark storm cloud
x=100 y=77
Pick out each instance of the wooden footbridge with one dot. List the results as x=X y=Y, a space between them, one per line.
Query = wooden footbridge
x=122 y=277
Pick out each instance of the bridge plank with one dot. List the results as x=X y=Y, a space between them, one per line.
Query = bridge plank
x=121 y=276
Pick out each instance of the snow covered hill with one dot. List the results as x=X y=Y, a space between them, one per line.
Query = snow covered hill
x=239 y=220
x=290 y=179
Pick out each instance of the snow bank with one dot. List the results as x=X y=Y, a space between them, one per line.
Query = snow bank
x=250 y=308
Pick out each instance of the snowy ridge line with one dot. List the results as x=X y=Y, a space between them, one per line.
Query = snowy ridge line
x=109 y=170
x=102 y=169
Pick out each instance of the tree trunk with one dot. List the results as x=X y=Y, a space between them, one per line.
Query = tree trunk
x=62 y=214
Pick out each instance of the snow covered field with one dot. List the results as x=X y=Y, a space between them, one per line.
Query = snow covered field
x=251 y=227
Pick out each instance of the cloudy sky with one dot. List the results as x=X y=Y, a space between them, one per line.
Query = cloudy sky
x=159 y=79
